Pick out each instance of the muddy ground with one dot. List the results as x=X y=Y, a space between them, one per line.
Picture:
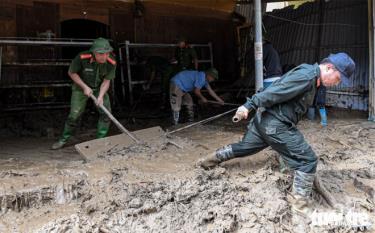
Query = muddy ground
x=157 y=188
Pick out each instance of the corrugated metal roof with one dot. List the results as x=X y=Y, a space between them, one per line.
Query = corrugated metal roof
x=246 y=10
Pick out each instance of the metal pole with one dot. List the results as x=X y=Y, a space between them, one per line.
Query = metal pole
x=130 y=84
x=202 y=121
x=117 y=123
x=228 y=104
x=42 y=42
x=1 y=56
x=258 y=45
x=320 y=30
x=371 y=24
x=211 y=54
x=122 y=72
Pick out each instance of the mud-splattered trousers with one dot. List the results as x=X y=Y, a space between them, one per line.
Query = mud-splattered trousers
x=287 y=140
x=278 y=109
x=178 y=98
x=77 y=107
x=92 y=74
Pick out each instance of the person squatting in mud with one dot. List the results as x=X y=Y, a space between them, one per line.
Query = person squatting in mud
x=278 y=109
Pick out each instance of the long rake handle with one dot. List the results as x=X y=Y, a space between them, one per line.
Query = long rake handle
x=114 y=120
x=228 y=104
x=202 y=121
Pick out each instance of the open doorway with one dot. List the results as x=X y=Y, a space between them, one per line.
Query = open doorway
x=81 y=29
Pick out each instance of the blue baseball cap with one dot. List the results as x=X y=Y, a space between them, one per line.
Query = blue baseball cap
x=344 y=64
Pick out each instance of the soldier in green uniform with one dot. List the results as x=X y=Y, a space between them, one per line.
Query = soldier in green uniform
x=186 y=56
x=91 y=72
x=278 y=110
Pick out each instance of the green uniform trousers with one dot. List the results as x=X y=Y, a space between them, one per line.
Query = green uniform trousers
x=287 y=140
x=77 y=107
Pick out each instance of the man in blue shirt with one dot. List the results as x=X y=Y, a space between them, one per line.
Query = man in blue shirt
x=278 y=110
x=190 y=81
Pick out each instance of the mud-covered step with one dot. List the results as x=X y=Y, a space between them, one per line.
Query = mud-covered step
x=58 y=189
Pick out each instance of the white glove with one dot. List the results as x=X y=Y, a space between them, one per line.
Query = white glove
x=242 y=109
x=241 y=113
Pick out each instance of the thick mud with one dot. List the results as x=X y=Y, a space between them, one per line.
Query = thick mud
x=157 y=187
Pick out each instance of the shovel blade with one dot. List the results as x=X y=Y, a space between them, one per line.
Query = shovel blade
x=92 y=149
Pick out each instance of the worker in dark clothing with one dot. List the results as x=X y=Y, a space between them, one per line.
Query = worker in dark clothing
x=271 y=61
x=156 y=65
x=272 y=69
x=278 y=110
x=319 y=102
x=185 y=56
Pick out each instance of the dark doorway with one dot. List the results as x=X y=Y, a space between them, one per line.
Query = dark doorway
x=81 y=29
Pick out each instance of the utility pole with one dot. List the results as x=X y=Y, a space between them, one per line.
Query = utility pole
x=258 y=45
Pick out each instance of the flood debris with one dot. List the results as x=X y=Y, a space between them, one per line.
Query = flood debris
x=155 y=187
x=66 y=189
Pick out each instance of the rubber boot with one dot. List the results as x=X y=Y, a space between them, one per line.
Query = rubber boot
x=176 y=116
x=283 y=167
x=190 y=113
x=102 y=127
x=58 y=145
x=301 y=192
x=214 y=159
x=311 y=113
x=67 y=133
x=323 y=116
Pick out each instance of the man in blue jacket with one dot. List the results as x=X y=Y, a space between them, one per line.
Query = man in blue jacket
x=278 y=109
x=320 y=103
x=187 y=81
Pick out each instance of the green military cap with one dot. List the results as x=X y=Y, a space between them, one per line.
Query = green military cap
x=181 y=39
x=213 y=73
x=101 y=45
